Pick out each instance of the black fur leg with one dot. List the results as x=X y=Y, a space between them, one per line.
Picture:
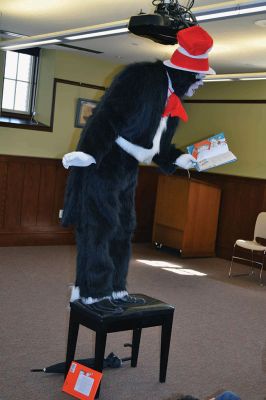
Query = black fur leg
x=105 y=307
x=129 y=300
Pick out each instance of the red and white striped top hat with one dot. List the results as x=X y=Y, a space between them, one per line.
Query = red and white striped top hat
x=192 y=53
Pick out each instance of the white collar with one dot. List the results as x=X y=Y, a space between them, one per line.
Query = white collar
x=170 y=86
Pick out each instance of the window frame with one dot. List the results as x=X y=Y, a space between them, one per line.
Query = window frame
x=35 y=52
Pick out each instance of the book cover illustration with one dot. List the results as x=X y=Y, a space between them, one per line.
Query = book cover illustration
x=82 y=382
x=211 y=152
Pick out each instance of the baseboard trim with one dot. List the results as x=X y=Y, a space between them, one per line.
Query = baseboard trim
x=36 y=239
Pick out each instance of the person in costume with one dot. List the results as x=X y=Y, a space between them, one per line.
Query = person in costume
x=134 y=122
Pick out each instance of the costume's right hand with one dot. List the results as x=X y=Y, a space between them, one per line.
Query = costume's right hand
x=185 y=161
x=77 y=159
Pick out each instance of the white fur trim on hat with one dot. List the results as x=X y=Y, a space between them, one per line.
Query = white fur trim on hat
x=171 y=65
x=186 y=53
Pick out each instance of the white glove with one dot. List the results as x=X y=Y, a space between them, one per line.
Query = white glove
x=77 y=159
x=185 y=161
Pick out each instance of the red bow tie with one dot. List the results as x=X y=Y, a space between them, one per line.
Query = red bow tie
x=174 y=108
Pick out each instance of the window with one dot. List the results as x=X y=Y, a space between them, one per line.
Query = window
x=20 y=78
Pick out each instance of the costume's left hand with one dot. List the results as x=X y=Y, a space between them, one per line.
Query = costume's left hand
x=185 y=161
x=77 y=159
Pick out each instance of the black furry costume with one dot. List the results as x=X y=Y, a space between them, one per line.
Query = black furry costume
x=99 y=199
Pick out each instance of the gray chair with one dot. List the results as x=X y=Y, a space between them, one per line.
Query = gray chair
x=253 y=246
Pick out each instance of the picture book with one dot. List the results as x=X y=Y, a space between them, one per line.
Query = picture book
x=82 y=382
x=211 y=152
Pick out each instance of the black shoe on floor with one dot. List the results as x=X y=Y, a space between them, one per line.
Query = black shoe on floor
x=105 y=307
x=128 y=300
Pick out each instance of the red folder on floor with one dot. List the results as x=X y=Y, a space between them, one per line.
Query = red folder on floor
x=82 y=382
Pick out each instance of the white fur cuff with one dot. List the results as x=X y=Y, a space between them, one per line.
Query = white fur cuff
x=91 y=300
x=75 y=295
x=119 y=295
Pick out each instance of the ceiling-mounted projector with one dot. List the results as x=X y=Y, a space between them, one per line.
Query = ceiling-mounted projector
x=169 y=17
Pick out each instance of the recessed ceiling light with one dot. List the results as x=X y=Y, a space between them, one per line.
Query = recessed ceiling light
x=261 y=23
x=107 y=32
x=217 y=80
x=31 y=44
x=252 y=79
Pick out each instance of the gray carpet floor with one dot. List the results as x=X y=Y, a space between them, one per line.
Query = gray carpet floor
x=218 y=339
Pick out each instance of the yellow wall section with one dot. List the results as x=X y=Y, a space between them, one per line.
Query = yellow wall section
x=79 y=68
x=63 y=65
x=2 y=70
x=45 y=86
x=243 y=124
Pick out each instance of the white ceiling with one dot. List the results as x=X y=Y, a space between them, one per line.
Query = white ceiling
x=239 y=44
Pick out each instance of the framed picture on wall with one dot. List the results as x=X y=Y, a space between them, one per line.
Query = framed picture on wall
x=83 y=111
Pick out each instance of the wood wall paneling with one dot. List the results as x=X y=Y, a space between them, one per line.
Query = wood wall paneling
x=3 y=184
x=32 y=192
x=61 y=175
x=14 y=190
x=241 y=201
x=145 y=203
x=46 y=195
x=31 y=195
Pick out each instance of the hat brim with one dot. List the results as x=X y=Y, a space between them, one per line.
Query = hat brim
x=168 y=63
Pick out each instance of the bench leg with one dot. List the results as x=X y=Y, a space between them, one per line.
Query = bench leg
x=165 y=345
x=100 y=343
x=71 y=341
x=135 y=347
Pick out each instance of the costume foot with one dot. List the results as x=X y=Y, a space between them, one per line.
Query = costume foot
x=105 y=306
x=129 y=300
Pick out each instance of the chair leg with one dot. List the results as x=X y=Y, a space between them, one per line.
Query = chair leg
x=71 y=341
x=240 y=258
x=261 y=270
x=252 y=263
x=135 y=347
x=231 y=264
x=100 y=344
x=165 y=345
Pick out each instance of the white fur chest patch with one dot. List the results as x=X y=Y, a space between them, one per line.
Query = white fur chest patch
x=140 y=153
